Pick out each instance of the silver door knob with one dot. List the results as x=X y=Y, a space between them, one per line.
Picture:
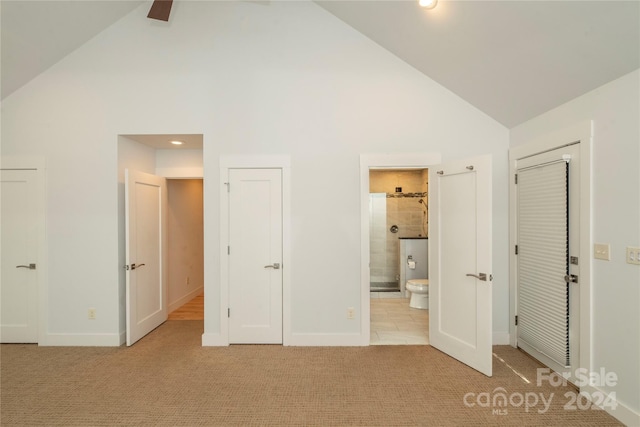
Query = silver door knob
x=275 y=266
x=30 y=266
x=479 y=276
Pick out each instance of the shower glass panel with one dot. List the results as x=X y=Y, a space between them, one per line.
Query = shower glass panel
x=383 y=261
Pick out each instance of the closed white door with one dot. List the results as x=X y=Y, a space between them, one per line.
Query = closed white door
x=19 y=286
x=547 y=261
x=460 y=294
x=255 y=256
x=146 y=239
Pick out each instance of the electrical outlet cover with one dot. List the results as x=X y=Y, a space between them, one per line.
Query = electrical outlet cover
x=602 y=251
x=633 y=255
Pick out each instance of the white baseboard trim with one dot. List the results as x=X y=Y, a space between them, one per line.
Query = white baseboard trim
x=299 y=340
x=622 y=412
x=185 y=299
x=83 y=340
x=325 y=340
x=501 y=338
x=123 y=337
x=214 y=340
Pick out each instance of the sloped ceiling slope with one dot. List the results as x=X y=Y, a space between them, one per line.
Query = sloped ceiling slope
x=37 y=34
x=513 y=60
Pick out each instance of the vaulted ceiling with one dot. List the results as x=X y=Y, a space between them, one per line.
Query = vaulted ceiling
x=511 y=59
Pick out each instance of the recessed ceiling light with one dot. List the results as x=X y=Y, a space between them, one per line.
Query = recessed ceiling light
x=177 y=142
x=428 y=4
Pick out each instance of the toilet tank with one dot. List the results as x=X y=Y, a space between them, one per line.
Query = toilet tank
x=413 y=249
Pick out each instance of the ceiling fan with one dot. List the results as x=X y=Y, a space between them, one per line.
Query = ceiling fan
x=160 y=10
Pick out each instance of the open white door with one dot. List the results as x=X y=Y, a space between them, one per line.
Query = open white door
x=460 y=322
x=146 y=237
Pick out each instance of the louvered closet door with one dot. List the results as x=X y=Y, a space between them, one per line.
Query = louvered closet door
x=543 y=259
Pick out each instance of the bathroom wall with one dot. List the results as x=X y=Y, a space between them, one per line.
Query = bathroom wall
x=405 y=212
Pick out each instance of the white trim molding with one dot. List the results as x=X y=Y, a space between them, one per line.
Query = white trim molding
x=622 y=412
x=325 y=340
x=185 y=299
x=214 y=340
x=501 y=338
x=83 y=340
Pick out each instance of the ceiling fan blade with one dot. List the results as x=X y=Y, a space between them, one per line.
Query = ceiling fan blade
x=160 y=10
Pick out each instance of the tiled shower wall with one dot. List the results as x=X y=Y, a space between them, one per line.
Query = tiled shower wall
x=405 y=212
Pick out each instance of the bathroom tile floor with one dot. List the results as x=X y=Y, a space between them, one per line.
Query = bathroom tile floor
x=393 y=322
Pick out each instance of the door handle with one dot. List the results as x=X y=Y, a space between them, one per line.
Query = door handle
x=275 y=266
x=133 y=266
x=479 y=276
x=571 y=278
x=30 y=266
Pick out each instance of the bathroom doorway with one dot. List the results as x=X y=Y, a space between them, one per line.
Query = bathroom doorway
x=398 y=242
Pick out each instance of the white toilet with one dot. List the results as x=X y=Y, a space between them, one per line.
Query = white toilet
x=419 y=289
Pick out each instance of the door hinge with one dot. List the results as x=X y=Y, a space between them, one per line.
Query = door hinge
x=516 y=178
x=516 y=320
x=228 y=312
x=228 y=184
x=516 y=249
x=228 y=250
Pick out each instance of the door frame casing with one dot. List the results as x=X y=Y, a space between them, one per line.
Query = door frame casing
x=581 y=133
x=37 y=164
x=379 y=161
x=282 y=162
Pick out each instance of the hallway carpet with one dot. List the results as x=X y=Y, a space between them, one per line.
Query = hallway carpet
x=168 y=379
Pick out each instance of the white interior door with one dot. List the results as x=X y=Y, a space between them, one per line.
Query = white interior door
x=19 y=285
x=547 y=227
x=255 y=256
x=460 y=294
x=146 y=237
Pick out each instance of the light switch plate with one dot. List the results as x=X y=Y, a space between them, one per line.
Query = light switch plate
x=602 y=251
x=633 y=255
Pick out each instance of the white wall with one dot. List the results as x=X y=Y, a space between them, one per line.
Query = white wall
x=283 y=78
x=179 y=163
x=615 y=111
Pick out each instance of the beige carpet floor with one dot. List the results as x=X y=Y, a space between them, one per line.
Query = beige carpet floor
x=168 y=379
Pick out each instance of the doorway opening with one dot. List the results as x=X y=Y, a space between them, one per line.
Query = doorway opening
x=373 y=303
x=398 y=245
x=186 y=249
x=181 y=167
